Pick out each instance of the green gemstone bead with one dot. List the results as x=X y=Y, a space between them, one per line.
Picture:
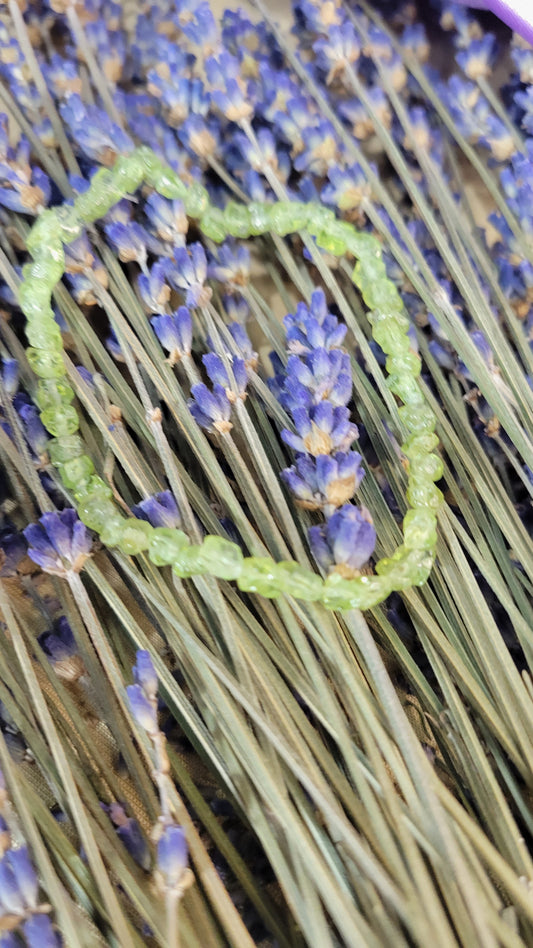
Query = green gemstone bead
x=111 y=533
x=33 y=299
x=168 y=184
x=404 y=362
x=135 y=536
x=237 y=220
x=428 y=466
x=217 y=557
x=339 y=593
x=423 y=493
x=288 y=217
x=382 y=294
x=406 y=567
x=128 y=171
x=420 y=529
x=259 y=575
x=44 y=334
x=259 y=218
x=369 y=271
x=363 y=246
x=418 y=418
x=166 y=545
x=406 y=388
x=212 y=224
x=96 y=486
x=330 y=243
x=301 y=583
x=47 y=365
x=418 y=444
x=70 y=226
x=47 y=267
x=64 y=449
x=60 y=421
x=51 y=393
x=77 y=472
x=196 y=200
x=319 y=217
x=46 y=230
x=96 y=512
x=391 y=338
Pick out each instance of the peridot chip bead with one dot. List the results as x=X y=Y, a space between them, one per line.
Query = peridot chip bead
x=96 y=512
x=77 y=472
x=44 y=334
x=418 y=444
x=423 y=493
x=45 y=364
x=419 y=418
x=52 y=393
x=135 y=536
x=339 y=593
x=128 y=171
x=196 y=200
x=408 y=362
x=330 y=242
x=166 y=545
x=406 y=387
x=96 y=486
x=259 y=217
x=237 y=218
x=64 y=449
x=217 y=557
x=287 y=217
x=212 y=224
x=259 y=575
x=60 y=421
x=111 y=534
x=406 y=567
x=45 y=230
x=420 y=529
x=429 y=466
x=296 y=581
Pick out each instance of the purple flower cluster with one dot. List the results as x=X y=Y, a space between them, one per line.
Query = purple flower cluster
x=315 y=387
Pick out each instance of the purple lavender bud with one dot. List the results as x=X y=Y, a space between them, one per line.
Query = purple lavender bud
x=12 y=550
x=167 y=218
x=477 y=59
x=9 y=940
x=320 y=149
x=211 y=410
x=129 y=240
x=345 y=542
x=174 y=332
x=321 y=429
x=197 y=23
x=39 y=932
x=25 y=875
x=243 y=345
x=218 y=374
x=325 y=481
x=334 y=51
x=134 y=840
x=145 y=674
x=188 y=273
x=231 y=264
x=154 y=291
x=59 y=542
x=96 y=134
x=113 y=346
x=348 y=187
x=142 y=709
x=35 y=433
x=161 y=510
x=10 y=375
x=172 y=855
x=11 y=898
x=58 y=643
x=200 y=136
x=86 y=376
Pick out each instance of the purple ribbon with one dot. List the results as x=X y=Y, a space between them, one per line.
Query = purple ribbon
x=518 y=14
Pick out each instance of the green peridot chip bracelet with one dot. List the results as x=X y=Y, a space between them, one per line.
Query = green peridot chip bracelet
x=409 y=566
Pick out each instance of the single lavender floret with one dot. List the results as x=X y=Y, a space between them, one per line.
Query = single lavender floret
x=161 y=510
x=346 y=542
x=39 y=932
x=12 y=550
x=153 y=288
x=321 y=429
x=167 y=218
x=143 y=710
x=129 y=241
x=320 y=375
x=324 y=482
x=135 y=842
x=59 y=542
x=230 y=264
x=218 y=374
x=172 y=855
x=187 y=272
x=210 y=409
x=96 y=134
x=174 y=332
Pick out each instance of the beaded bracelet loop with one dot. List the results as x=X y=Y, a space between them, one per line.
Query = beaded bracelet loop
x=411 y=563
